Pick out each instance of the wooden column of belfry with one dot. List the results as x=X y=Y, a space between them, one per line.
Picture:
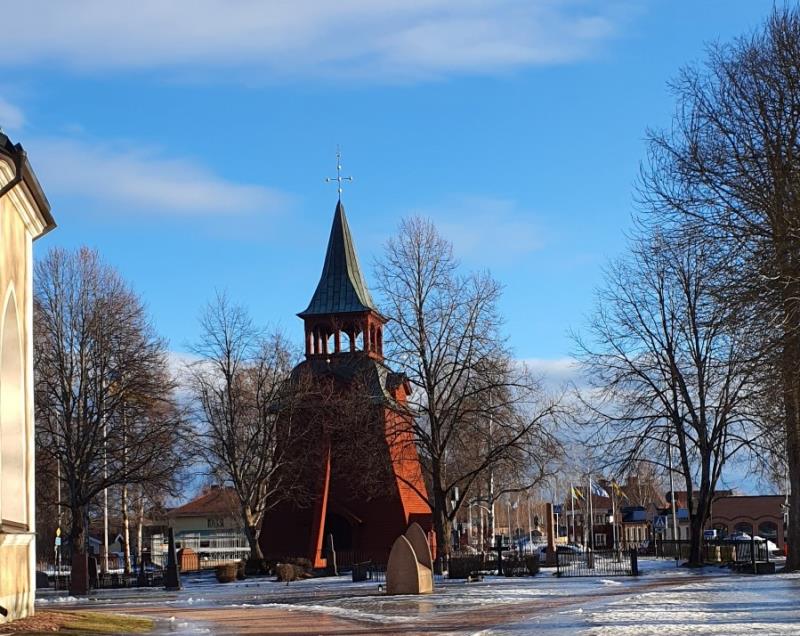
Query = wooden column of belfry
x=342 y=311
x=24 y=216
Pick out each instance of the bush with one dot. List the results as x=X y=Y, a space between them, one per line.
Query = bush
x=293 y=569
x=513 y=565
x=226 y=573
x=532 y=564
x=241 y=573
x=461 y=567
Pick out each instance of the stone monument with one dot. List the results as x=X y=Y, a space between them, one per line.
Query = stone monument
x=410 y=567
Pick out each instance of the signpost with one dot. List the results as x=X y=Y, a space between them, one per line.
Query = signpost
x=58 y=555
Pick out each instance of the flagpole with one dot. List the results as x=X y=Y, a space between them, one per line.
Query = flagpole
x=614 y=517
x=572 y=503
x=591 y=515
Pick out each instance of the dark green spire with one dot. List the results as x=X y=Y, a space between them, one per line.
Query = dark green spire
x=341 y=287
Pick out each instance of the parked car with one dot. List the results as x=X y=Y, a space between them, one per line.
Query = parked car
x=570 y=548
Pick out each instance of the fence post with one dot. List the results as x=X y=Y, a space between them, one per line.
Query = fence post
x=634 y=562
x=753 y=553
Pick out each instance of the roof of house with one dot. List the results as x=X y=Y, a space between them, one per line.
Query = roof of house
x=17 y=155
x=341 y=288
x=217 y=500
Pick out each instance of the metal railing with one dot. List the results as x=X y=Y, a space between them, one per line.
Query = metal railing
x=203 y=550
x=597 y=563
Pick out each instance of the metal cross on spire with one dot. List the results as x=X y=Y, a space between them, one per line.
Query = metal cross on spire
x=338 y=178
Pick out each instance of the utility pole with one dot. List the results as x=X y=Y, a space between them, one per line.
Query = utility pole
x=491 y=480
x=105 y=495
x=58 y=529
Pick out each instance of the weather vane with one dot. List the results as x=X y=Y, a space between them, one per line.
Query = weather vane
x=338 y=178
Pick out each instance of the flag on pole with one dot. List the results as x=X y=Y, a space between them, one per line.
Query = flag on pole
x=597 y=491
x=576 y=493
x=618 y=491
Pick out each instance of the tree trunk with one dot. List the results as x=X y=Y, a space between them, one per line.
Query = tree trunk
x=255 y=562
x=79 y=579
x=139 y=527
x=126 y=529
x=696 y=538
x=252 y=539
x=441 y=525
x=791 y=393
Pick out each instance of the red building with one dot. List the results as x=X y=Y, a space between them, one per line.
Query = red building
x=344 y=350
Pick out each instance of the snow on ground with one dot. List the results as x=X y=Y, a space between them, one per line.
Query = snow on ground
x=768 y=607
x=711 y=601
x=725 y=606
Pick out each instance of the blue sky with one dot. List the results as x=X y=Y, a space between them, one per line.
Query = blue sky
x=188 y=141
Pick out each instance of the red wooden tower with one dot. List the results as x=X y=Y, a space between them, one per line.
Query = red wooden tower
x=344 y=345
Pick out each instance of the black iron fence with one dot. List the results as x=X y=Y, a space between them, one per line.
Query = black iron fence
x=108 y=580
x=597 y=563
x=714 y=551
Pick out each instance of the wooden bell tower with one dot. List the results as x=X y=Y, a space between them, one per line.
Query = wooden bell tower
x=344 y=348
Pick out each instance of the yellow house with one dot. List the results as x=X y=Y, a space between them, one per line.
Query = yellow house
x=24 y=216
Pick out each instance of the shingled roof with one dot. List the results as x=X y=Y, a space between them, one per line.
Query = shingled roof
x=341 y=288
x=217 y=500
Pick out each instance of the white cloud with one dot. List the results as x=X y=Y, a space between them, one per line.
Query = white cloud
x=11 y=116
x=485 y=229
x=387 y=39
x=143 y=179
x=554 y=371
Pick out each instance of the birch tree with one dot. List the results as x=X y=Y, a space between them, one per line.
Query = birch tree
x=95 y=354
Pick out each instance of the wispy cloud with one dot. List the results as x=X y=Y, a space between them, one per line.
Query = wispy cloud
x=555 y=372
x=490 y=230
x=389 y=40
x=146 y=180
x=11 y=116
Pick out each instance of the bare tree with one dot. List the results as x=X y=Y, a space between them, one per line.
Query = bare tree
x=247 y=409
x=730 y=167
x=473 y=406
x=95 y=351
x=668 y=369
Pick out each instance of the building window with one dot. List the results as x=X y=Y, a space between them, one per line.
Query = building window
x=745 y=527
x=768 y=530
x=13 y=447
x=216 y=522
x=599 y=540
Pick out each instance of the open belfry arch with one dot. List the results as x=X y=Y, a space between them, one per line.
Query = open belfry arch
x=24 y=216
x=344 y=350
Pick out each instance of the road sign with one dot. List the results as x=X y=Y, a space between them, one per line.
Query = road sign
x=58 y=541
